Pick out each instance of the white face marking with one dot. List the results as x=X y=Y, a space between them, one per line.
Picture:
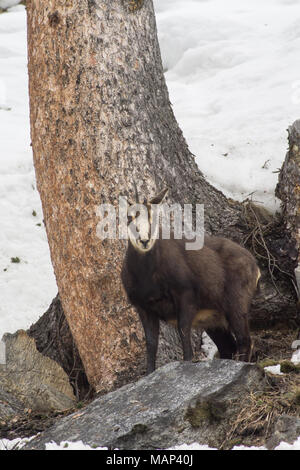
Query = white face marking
x=140 y=230
x=143 y=227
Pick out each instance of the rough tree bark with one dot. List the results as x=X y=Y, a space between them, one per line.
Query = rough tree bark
x=53 y=339
x=100 y=120
x=288 y=190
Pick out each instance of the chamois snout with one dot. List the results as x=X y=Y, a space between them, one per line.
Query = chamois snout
x=144 y=243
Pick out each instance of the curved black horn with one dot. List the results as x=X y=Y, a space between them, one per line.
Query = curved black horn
x=159 y=197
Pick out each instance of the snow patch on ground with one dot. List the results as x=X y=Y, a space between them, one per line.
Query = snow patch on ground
x=17 y=444
x=14 y=444
x=296 y=357
x=66 y=445
x=275 y=370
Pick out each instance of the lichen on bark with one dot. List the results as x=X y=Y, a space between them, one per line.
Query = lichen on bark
x=133 y=5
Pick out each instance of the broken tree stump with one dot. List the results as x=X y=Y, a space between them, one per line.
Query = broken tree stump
x=288 y=190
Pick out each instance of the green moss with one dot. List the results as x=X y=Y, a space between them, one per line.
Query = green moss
x=15 y=259
x=139 y=428
x=287 y=367
x=296 y=397
x=233 y=442
x=34 y=213
x=133 y=5
x=205 y=412
x=267 y=363
x=292 y=397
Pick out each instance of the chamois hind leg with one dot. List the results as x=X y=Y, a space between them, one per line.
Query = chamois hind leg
x=240 y=288
x=224 y=341
x=185 y=318
x=151 y=329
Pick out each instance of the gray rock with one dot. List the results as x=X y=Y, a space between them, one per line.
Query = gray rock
x=287 y=429
x=178 y=403
x=9 y=406
x=36 y=381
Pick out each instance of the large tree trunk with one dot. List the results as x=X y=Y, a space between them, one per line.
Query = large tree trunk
x=100 y=120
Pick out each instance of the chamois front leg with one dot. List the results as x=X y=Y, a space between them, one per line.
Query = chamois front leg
x=151 y=328
x=185 y=318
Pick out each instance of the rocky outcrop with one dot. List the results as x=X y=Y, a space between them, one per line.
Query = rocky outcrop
x=178 y=403
x=10 y=407
x=287 y=429
x=30 y=380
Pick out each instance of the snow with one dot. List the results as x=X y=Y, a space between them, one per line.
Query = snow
x=249 y=448
x=66 y=445
x=6 y=444
x=17 y=444
x=14 y=444
x=296 y=357
x=27 y=287
x=235 y=88
x=275 y=370
x=286 y=446
x=281 y=446
x=8 y=3
x=208 y=347
x=192 y=447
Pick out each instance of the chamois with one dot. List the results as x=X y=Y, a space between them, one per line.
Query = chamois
x=211 y=288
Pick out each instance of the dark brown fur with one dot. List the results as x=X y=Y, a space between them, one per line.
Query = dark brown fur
x=211 y=287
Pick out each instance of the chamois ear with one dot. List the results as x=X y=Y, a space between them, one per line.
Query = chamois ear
x=159 y=197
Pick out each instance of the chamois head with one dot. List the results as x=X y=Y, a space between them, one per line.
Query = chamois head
x=142 y=229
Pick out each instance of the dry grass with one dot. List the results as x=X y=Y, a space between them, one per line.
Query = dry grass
x=259 y=411
x=274 y=344
x=254 y=423
x=260 y=224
